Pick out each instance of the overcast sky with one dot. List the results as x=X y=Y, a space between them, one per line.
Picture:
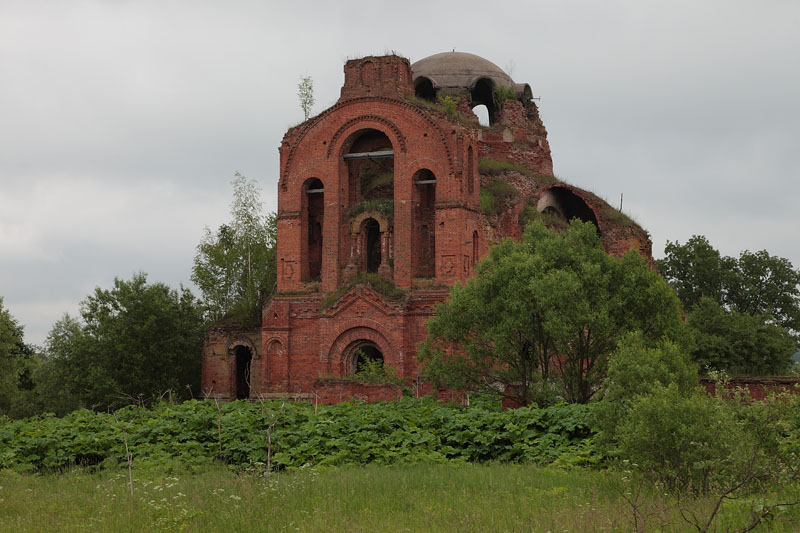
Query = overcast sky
x=122 y=122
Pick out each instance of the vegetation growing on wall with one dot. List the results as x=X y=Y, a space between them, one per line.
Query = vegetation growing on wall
x=382 y=286
x=383 y=206
x=503 y=93
x=495 y=195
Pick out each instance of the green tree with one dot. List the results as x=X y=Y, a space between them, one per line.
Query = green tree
x=739 y=343
x=52 y=378
x=696 y=270
x=764 y=283
x=17 y=364
x=137 y=340
x=305 y=92
x=235 y=263
x=634 y=370
x=552 y=307
x=755 y=283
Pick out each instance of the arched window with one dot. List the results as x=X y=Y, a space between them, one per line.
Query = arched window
x=423 y=88
x=243 y=358
x=470 y=171
x=474 y=247
x=364 y=354
x=564 y=204
x=423 y=236
x=312 y=220
x=370 y=167
x=483 y=95
x=371 y=232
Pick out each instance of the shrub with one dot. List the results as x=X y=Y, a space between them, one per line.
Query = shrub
x=635 y=370
x=503 y=93
x=449 y=105
x=407 y=431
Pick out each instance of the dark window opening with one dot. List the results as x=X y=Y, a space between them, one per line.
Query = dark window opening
x=243 y=359
x=314 y=213
x=470 y=171
x=372 y=233
x=366 y=355
x=423 y=244
x=570 y=206
x=370 y=178
x=474 y=247
x=423 y=88
x=483 y=94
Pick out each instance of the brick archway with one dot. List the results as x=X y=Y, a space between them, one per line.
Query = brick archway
x=339 y=353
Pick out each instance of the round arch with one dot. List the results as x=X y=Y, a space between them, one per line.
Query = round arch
x=565 y=203
x=342 y=140
x=383 y=222
x=357 y=355
x=341 y=348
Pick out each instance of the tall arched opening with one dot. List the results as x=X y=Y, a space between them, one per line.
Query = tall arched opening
x=423 y=236
x=483 y=94
x=312 y=221
x=370 y=168
x=371 y=231
x=242 y=359
x=470 y=170
x=474 y=247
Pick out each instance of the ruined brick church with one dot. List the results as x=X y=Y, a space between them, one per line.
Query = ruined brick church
x=385 y=200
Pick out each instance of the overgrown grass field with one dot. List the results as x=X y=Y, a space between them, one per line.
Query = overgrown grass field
x=422 y=497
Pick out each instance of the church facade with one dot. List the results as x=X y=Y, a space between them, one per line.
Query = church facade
x=385 y=200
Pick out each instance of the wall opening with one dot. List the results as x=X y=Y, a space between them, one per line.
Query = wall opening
x=470 y=169
x=483 y=94
x=474 y=247
x=372 y=244
x=565 y=204
x=423 y=236
x=370 y=166
x=423 y=88
x=243 y=357
x=482 y=112
x=313 y=215
x=364 y=355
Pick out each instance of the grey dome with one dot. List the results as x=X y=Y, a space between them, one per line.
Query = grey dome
x=459 y=70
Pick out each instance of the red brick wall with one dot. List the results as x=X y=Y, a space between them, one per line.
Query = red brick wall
x=330 y=391
x=757 y=388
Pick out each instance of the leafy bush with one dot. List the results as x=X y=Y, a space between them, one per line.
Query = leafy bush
x=407 y=431
x=635 y=370
x=689 y=443
x=374 y=371
x=503 y=93
x=739 y=343
x=448 y=104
